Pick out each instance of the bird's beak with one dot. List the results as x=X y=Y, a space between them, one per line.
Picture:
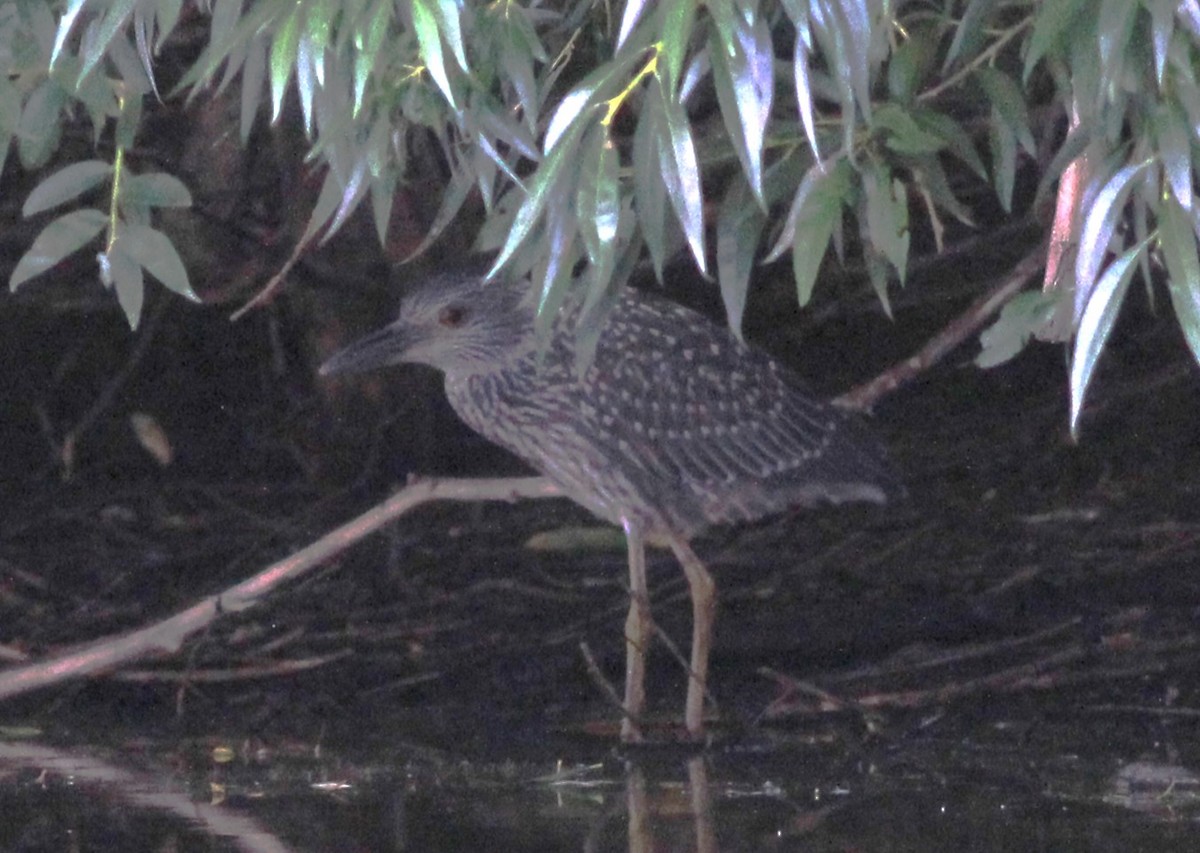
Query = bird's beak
x=377 y=349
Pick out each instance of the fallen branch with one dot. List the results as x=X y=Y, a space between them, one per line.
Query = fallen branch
x=956 y=331
x=1049 y=671
x=167 y=636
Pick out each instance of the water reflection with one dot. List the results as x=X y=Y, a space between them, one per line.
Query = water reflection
x=956 y=797
x=645 y=824
x=157 y=797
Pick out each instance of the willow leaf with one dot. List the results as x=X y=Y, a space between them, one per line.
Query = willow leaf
x=1096 y=324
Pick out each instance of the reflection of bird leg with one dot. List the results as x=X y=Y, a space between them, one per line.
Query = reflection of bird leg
x=636 y=804
x=704 y=599
x=702 y=813
x=637 y=635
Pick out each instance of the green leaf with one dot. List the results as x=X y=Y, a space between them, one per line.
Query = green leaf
x=254 y=72
x=318 y=35
x=517 y=66
x=724 y=16
x=1098 y=228
x=677 y=156
x=67 y=184
x=120 y=271
x=904 y=134
x=1019 y=320
x=1003 y=146
x=930 y=176
x=1141 y=229
x=284 y=48
x=113 y=23
x=739 y=228
x=1096 y=324
x=649 y=190
x=830 y=31
x=811 y=183
x=426 y=26
x=971 y=31
x=598 y=203
x=539 y=188
x=10 y=118
x=40 y=127
x=816 y=211
x=853 y=20
x=521 y=21
x=912 y=62
x=629 y=19
x=383 y=194
x=368 y=41
x=353 y=190
x=877 y=274
x=678 y=18
x=65 y=25
x=745 y=84
x=60 y=238
x=602 y=298
x=1178 y=242
x=493 y=119
x=602 y=292
x=156 y=189
x=1009 y=105
x=586 y=92
x=887 y=216
x=554 y=270
x=327 y=204
x=956 y=140
x=1114 y=23
x=1051 y=21
x=448 y=14
x=803 y=82
x=154 y=251
x=306 y=86
x=1174 y=146
x=143 y=26
x=226 y=15
x=1162 y=17
x=166 y=14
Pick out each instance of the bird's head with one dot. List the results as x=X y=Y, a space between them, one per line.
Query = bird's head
x=455 y=323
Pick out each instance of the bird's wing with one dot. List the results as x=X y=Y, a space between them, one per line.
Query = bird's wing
x=693 y=409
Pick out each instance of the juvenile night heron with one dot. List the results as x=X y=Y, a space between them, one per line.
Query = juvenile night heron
x=674 y=425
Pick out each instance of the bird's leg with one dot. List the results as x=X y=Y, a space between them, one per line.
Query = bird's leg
x=637 y=634
x=704 y=599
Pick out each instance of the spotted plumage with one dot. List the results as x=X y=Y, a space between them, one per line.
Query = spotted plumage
x=672 y=426
x=674 y=421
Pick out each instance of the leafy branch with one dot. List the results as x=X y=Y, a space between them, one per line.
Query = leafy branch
x=730 y=132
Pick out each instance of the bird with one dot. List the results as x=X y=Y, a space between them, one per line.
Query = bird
x=673 y=425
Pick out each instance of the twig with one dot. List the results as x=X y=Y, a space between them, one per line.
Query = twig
x=1044 y=673
x=681 y=659
x=956 y=656
x=600 y=680
x=956 y=331
x=1038 y=674
x=168 y=635
x=241 y=673
x=1143 y=710
x=269 y=290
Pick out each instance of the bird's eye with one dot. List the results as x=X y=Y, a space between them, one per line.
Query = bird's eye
x=452 y=316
